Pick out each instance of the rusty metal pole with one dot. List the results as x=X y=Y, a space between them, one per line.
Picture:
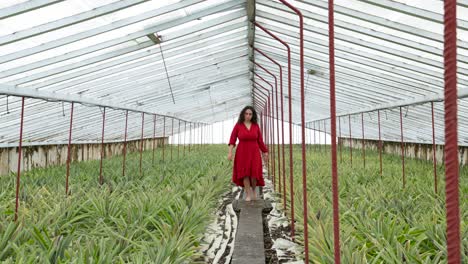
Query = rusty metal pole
x=141 y=142
x=380 y=143
x=185 y=135
x=154 y=135
x=319 y=136
x=69 y=148
x=125 y=144
x=101 y=179
x=350 y=141
x=402 y=149
x=172 y=136
x=325 y=131
x=304 y=162
x=178 y=140
x=452 y=187
x=340 y=140
x=291 y=174
x=434 y=157
x=164 y=137
x=20 y=146
x=363 y=143
x=315 y=137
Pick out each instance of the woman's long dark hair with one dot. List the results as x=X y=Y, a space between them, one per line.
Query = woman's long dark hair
x=254 y=115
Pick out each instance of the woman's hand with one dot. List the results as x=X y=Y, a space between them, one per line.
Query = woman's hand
x=229 y=156
x=265 y=155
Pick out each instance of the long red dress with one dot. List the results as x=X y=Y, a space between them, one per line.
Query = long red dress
x=247 y=160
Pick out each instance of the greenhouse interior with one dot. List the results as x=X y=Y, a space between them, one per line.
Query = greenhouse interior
x=233 y=131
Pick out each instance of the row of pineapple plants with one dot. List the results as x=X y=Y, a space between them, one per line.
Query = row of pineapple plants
x=158 y=216
x=380 y=221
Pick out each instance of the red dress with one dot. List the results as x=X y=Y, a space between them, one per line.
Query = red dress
x=247 y=160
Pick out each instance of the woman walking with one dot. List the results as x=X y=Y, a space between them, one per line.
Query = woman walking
x=247 y=170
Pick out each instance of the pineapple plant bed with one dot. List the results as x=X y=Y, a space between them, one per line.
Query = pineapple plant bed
x=158 y=216
x=380 y=221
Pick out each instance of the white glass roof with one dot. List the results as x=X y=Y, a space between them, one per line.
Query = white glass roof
x=388 y=53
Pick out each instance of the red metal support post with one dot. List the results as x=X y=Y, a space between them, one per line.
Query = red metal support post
x=291 y=175
x=20 y=146
x=185 y=135
x=280 y=68
x=304 y=162
x=363 y=143
x=125 y=144
x=172 y=136
x=277 y=125
x=154 y=135
x=164 y=137
x=315 y=142
x=270 y=134
x=266 y=116
x=271 y=115
x=325 y=135
x=350 y=141
x=141 y=142
x=451 y=133
x=319 y=136
x=380 y=143
x=434 y=156
x=335 y=191
x=101 y=179
x=69 y=148
x=178 y=140
x=402 y=149
x=340 y=140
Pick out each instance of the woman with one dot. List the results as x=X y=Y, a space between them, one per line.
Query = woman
x=247 y=169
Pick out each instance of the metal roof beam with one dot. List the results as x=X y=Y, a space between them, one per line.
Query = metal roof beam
x=149 y=84
x=462 y=93
x=129 y=21
x=16 y=91
x=368 y=17
x=369 y=32
x=24 y=7
x=392 y=92
x=68 y=21
x=134 y=73
x=84 y=51
x=319 y=59
x=150 y=50
x=251 y=6
x=415 y=12
x=44 y=109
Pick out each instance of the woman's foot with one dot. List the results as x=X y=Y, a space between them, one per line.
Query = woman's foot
x=254 y=195
x=248 y=195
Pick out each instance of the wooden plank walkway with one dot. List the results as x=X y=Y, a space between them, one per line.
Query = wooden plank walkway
x=249 y=246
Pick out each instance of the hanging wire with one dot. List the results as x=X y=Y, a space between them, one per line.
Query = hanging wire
x=165 y=68
x=7 y=104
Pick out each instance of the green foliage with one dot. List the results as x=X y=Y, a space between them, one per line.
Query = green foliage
x=380 y=222
x=156 y=217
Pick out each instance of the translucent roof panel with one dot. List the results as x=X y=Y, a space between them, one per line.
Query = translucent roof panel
x=385 y=52
x=192 y=60
x=187 y=59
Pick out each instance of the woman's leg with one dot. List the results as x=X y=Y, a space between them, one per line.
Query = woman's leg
x=247 y=188
x=254 y=185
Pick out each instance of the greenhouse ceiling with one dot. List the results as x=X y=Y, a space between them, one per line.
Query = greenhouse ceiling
x=193 y=60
